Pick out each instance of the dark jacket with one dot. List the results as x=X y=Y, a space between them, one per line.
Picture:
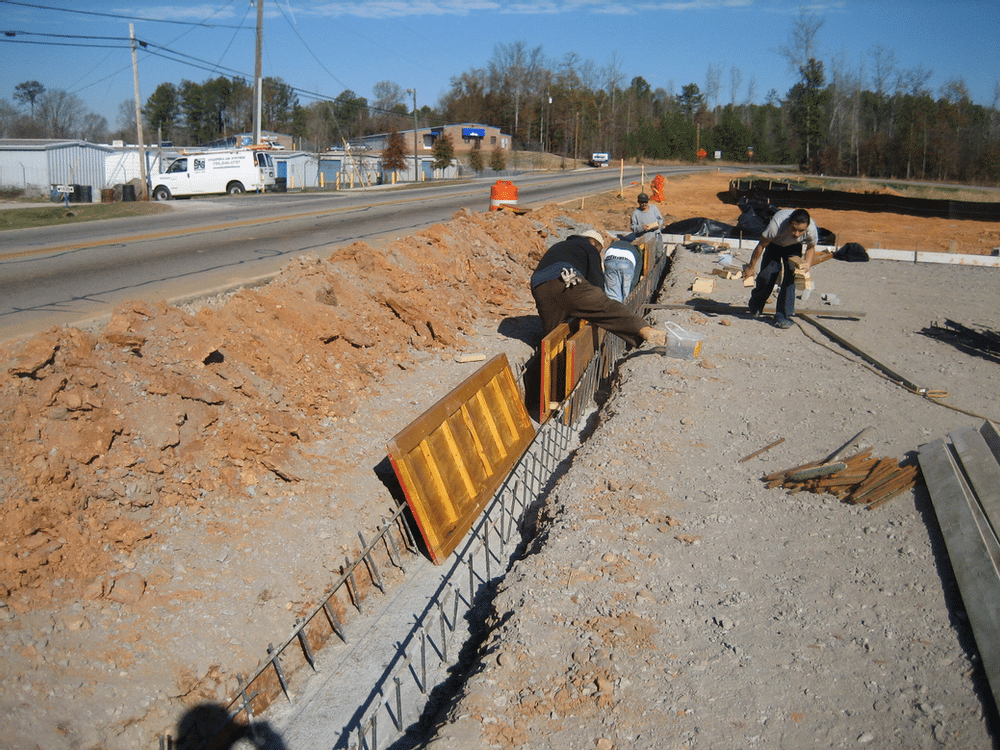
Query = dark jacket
x=574 y=252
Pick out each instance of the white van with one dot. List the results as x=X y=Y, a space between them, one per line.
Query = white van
x=215 y=172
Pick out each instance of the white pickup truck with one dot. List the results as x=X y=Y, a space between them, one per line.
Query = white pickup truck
x=229 y=171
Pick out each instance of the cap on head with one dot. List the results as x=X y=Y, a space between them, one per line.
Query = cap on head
x=643 y=198
x=594 y=235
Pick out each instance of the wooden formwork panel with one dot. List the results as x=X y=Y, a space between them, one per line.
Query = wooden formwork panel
x=552 y=354
x=452 y=458
x=580 y=349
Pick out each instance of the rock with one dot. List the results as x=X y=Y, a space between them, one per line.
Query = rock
x=76 y=622
x=127 y=588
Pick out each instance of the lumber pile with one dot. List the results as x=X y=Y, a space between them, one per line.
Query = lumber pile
x=962 y=472
x=860 y=479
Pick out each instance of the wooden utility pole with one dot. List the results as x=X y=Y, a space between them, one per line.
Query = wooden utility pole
x=258 y=81
x=138 y=115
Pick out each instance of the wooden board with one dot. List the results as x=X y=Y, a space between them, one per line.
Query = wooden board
x=451 y=459
x=962 y=523
x=580 y=349
x=552 y=354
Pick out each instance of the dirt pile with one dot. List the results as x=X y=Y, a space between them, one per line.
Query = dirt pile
x=169 y=439
x=166 y=408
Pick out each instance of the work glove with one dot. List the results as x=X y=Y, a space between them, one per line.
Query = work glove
x=569 y=277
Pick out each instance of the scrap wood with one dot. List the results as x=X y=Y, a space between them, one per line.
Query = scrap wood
x=882 y=471
x=766 y=448
x=905 y=480
x=887 y=477
x=858 y=479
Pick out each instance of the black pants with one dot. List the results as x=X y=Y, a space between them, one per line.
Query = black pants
x=776 y=261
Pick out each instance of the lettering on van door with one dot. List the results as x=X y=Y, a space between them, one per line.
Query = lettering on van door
x=232 y=161
x=199 y=165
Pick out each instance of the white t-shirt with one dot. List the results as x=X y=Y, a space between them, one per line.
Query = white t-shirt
x=781 y=233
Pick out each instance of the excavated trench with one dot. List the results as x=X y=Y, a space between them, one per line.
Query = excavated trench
x=396 y=667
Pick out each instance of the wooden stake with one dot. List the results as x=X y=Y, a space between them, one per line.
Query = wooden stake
x=766 y=448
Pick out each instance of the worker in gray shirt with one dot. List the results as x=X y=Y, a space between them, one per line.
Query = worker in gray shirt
x=786 y=235
x=646 y=224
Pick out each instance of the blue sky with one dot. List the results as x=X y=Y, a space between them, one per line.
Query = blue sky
x=327 y=47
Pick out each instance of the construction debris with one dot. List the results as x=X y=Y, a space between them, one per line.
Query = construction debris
x=703 y=286
x=860 y=479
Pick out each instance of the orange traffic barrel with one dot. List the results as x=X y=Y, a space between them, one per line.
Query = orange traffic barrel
x=503 y=194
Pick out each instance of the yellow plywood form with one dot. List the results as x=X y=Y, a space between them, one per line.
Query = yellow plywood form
x=580 y=349
x=452 y=458
x=552 y=354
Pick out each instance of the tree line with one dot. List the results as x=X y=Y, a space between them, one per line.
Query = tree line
x=833 y=120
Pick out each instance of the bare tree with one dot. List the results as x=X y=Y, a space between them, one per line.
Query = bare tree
x=93 y=128
x=8 y=116
x=913 y=81
x=883 y=68
x=844 y=130
x=389 y=102
x=955 y=91
x=713 y=86
x=513 y=71
x=613 y=77
x=802 y=47
x=59 y=113
x=126 y=121
x=735 y=81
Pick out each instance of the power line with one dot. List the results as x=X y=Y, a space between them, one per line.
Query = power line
x=156 y=50
x=126 y=17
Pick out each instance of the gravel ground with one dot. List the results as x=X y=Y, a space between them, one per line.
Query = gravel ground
x=673 y=601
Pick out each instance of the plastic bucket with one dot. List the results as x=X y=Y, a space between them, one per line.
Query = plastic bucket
x=503 y=193
x=682 y=344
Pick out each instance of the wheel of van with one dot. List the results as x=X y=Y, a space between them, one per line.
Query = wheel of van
x=235 y=188
x=161 y=193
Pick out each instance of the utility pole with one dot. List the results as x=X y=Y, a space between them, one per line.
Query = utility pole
x=258 y=81
x=416 y=176
x=138 y=114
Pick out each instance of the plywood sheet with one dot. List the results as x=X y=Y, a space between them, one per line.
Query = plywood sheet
x=552 y=353
x=580 y=349
x=452 y=458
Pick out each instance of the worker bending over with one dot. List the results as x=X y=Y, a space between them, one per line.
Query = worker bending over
x=783 y=239
x=569 y=283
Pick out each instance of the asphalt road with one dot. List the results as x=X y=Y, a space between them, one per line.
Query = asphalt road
x=56 y=276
